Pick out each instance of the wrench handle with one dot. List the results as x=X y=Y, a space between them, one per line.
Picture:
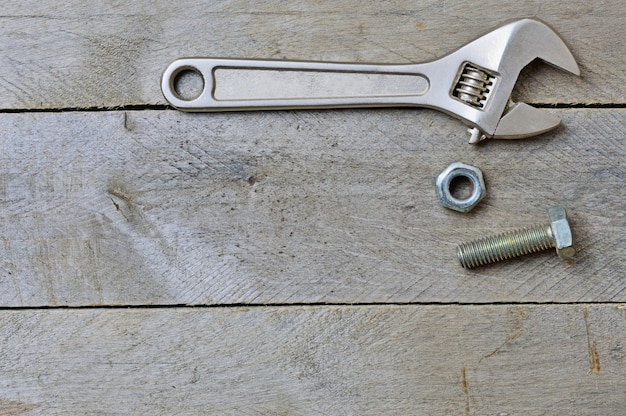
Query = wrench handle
x=237 y=84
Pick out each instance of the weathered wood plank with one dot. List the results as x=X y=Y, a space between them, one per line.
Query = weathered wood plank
x=162 y=207
x=486 y=360
x=81 y=54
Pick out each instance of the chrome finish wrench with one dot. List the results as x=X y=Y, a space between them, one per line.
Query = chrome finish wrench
x=474 y=83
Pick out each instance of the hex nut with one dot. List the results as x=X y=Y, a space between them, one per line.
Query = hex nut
x=561 y=232
x=445 y=179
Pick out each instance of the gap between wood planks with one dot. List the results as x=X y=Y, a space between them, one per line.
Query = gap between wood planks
x=161 y=107
x=311 y=304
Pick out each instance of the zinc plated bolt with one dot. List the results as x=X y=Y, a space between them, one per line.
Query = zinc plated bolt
x=557 y=234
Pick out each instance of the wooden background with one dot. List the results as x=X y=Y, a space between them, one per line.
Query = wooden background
x=299 y=262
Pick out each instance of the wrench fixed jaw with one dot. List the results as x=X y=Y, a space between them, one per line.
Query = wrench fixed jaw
x=502 y=54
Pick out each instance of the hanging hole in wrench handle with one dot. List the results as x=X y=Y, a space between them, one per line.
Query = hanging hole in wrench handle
x=186 y=83
x=236 y=84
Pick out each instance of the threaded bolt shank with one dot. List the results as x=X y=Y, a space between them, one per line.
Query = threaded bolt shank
x=505 y=246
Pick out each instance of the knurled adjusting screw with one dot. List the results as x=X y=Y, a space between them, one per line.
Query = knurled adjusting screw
x=557 y=234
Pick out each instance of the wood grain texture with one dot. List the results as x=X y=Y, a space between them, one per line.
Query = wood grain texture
x=162 y=207
x=462 y=360
x=79 y=54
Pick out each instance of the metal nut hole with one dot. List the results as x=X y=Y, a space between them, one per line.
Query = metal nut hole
x=461 y=187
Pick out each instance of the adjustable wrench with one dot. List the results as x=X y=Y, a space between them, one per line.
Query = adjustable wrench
x=474 y=83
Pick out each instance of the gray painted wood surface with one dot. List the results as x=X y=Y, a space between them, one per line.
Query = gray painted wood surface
x=369 y=360
x=77 y=54
x=115 y=222
x=162 y=207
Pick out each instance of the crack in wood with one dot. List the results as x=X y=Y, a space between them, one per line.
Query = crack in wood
x=594 y=356
x=465 y=386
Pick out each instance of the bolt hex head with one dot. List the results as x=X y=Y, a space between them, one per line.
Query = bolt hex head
x=561 y=232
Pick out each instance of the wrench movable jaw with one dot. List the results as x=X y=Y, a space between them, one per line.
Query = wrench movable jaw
x=522 y=120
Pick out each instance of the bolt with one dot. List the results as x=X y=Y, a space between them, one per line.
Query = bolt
x=557 y=234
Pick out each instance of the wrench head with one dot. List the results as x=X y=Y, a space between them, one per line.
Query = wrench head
x=490 y=66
